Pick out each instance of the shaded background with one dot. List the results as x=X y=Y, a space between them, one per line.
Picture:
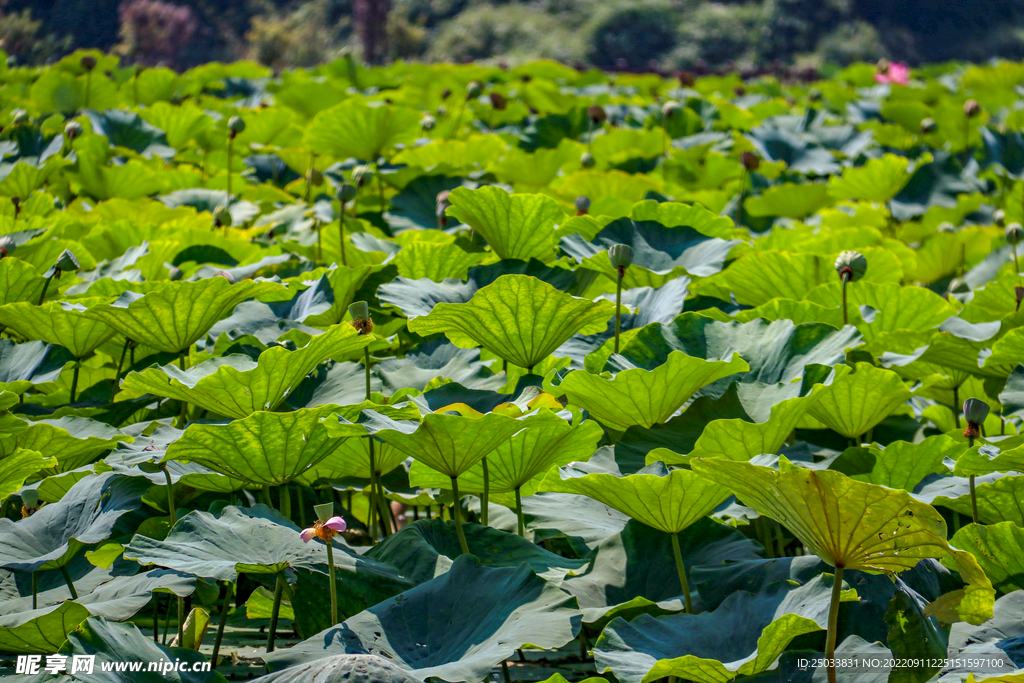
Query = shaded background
x=612 y=34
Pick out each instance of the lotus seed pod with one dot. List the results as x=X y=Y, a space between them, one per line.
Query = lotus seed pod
x=316 y=177
x=446 y=93
x=346 y=193
x=428 y=122
x=73 y=129
x=226 y=275
x=582 y=205
x=686 y=79
x=587 y=160
x=929 y=126
x=670 y=109
x=236 y=125
x=324 y=511
x=222 y=216
x=958 y=285
x=882 y=65
x=359 y=310
x=88 y=62
x=975 y=410
x=597 y=114
x=498 y=101
x=30 y=498
x=1014 y=233
x=474 y=89
x=621 y=255
x=442 y=111
x=66 y=262
x=946 y=226
x=999 y=218
x=851 y=266
x=971 y=108
x=750 y=161
x=174 y=272
x=362 y=175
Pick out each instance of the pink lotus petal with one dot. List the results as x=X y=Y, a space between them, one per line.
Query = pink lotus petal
x=899 y=73
x=307 y=534
x=336 y=523
x=881 y=78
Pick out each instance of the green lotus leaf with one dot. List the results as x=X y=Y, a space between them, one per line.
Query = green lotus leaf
x=351 y=458
x=51 y=537
x=851 y=524
x=426 y=549
x=757 y=278
x=415 y=206
x=174 y=317
x=901 y=464
x=518 y=318
x=263 y=449
x=19 y=281
x=622 y=581
x=129 y=130
x=455 y=627
x=637 y=396
x=62 y=323
x=999 y=549
x=25 y=178
x=435 y=261
x=800 y=156
x=987 y=459
x=517 y=226
x=236 y=386
x=345 y=282
x=999 y=634
x=354 y=129
x=1005 y=150
x=18 y=466
x=936 y=183
x=789 y=200
x=666 y=501
x=895 y=308
x=72 y=441
x=982 y=350
x=878 y=180
x=660 y=253
x=855 y=403
x=546 y=441
x=429 y=362
x=42 y=630
x=675 y=214
x=740 y=439
x=450 y=444
x=343 y=669
x=744 y=636
x=1000 y=498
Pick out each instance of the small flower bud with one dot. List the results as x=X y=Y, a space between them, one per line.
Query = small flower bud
x=361 y=175
x=587 y=160
x=851 y=266
x=1014 y=233
x=428 y=122
x=88 y=62
x=946 y=226
x=686 y=79
x=621 y=256
x=473 y=90
x=597 y=114
x=971 y=108
x=235 y=126
x=346 y=193
x=73 y=129
x=670 y=110
x=975 y=412
x=174 y=273
x=999 y=218
x=498 y=101
x=226 y=275
x=740 y=91
x=222 y=217
x=442 y=111
x=750 y=161
x=928 y=126
x=582 y=206
x=446 y=93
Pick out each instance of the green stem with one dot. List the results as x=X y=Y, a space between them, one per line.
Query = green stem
x=278 y=592
x=69 y=582
x=458 y=121
x=974 y=497
x=833 y=621
x=227 y=202
x=366 y=364
x=743 y=191
x=330 y=575
x=485 y=498
x=380 y=188
x=74 y=380
x=341 y=235
x=519 y=512
x=265 y=495
x=383 y=506
x=845 y=280
x=372 y=518
x=224 y=607
x=457 y=512
x=35 y=589
x=956 y=406
x=46 y=286
x=88 y=88
x=677 y=553
x=120 y=363
x=618 y=304
x=174 y=518
x=285 y=497
x=156 y=619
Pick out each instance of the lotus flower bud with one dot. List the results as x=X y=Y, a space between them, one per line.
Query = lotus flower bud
x=498 y=101
x=928 y=126
x=316 y=177
x=7 y=246
x=740 y=91
x=582 y=206
x=19 y=117
x=1014 y=233
x=851 y=266
x=442 y=111
x=975 y=412
x=174 y=273
x=30 y=498
x=222 y=217
x=597 y=114
x=446 y=93
x=750 y=161
x=361 y=175
x=324 y=511
x=999 y=218
x=971 y=108
x=587 y=160
x=946 y=226
x=670 y=109
x=473 y=90
x=360 y=312
x=235 y=126
x=621 y=256
x=346 y=193
x=428 y=122
x=88 y=62
x=73 y=129
x=686 y=79
x=66 y=262
x=226 y=275
x=882 y=65
x=442 y=197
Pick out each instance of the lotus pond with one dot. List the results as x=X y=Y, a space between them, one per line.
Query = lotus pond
x=462 y=373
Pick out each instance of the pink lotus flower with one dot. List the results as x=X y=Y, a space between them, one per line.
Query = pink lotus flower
x=898 y=73
x=325 y=531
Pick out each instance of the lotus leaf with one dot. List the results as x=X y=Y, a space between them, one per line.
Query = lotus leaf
x=354 y=129
x=343 y=669
x=998 y=549
x=62 y=323
x=18 y=466
x=517 y=226
x=73 y=441
x=855 y=403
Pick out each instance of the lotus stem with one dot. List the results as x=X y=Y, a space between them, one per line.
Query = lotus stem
x=156 y=620
x=743 y=191
x=231 y=141
x=846 y=279
x=46 y=286
x=383 y=507
x=120 y=363
x=380 y=188
x=458 y=121
x=457 y=515
x=485 y=498
x=504 y=672
x=278 y=593
x=174 y=518
x=224 y=606
x=956 y=406
x=285 y=499
x=69 y=582
x=833 y=621
x=372 y=517
x=341 y=236
x=974 y=497
x=519 y=512
x=265 y=495
x=88 y=87
x=35 y=589
x=681 y=568
x=319 y=240
x=618 y=305
x=366 y=363
x=330 y=576
x=74 y=380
